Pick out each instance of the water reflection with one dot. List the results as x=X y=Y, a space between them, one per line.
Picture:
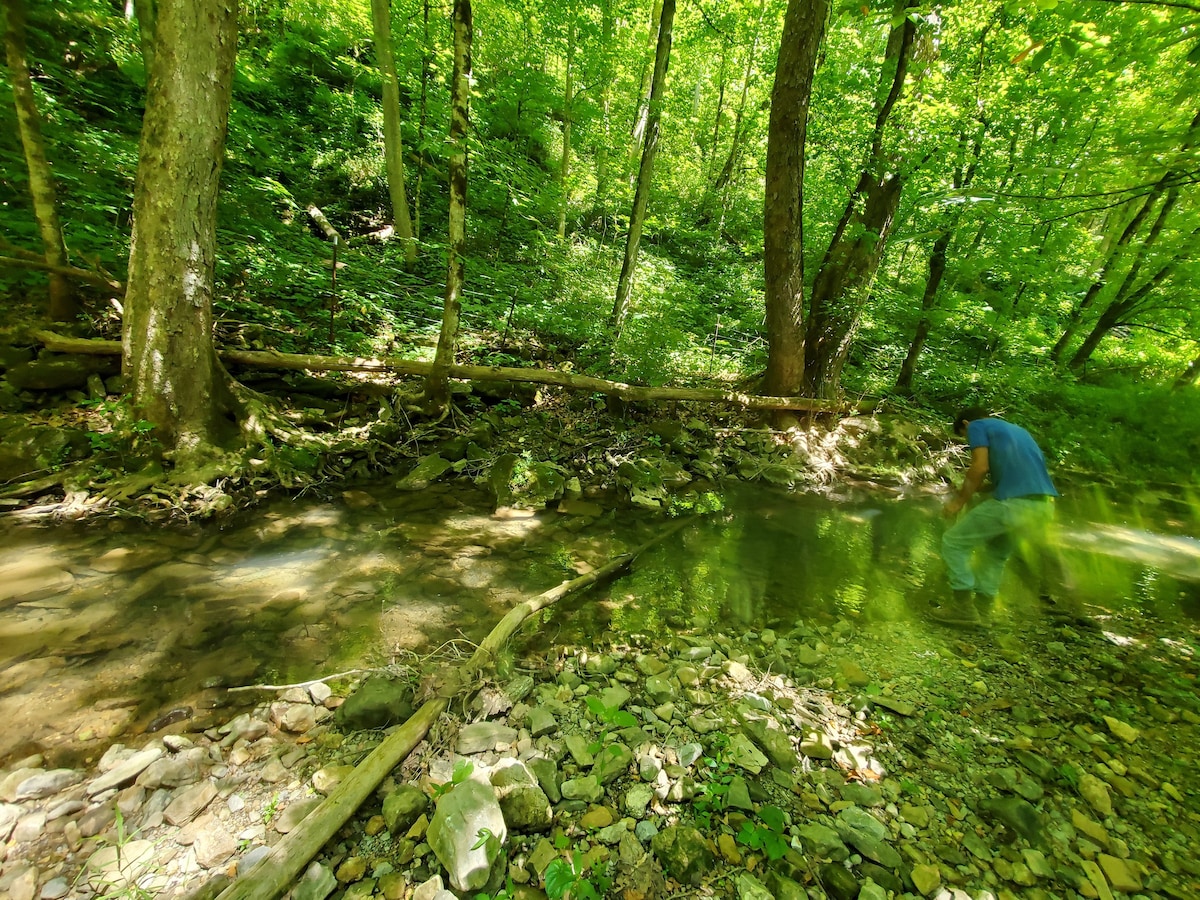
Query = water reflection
x=103 y=628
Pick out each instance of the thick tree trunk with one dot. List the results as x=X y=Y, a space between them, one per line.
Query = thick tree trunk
x=564 y=168
x=63 y=304
x=393 y=145
x=437 y=387
x=167 y=332
x=783 y=209
x=641 y=197
x=852 y=259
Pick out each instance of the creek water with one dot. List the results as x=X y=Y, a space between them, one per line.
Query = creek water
x=105 y=627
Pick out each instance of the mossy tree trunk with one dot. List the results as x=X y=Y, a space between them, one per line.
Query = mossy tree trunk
x=174 y=376
x=64 y=304
x=847 y=270
x=437 y=387
x=641 y=197
x=783 y=232
x=393 y=145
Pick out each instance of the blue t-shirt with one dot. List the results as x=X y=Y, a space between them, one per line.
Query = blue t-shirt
x=1018 y=468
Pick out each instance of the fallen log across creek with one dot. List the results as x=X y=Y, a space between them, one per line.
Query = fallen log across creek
x=270 y=359
x=277 y=871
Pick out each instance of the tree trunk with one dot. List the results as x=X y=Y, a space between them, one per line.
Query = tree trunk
x=167 y=331
x=937 y=269
x=147 y=13
x=63 y=305
x=641 y=117
x=437 y=388
x=393 y=147
x=725 y=176
x=565 y=166
x=960 y=179
x=783 y=208
x=641 y=197
x=602 y=151
x=426 y=73
x=848 y=268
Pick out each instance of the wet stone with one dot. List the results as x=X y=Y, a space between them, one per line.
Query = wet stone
x=482 y=736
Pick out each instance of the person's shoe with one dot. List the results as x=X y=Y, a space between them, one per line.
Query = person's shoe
x=958 y=613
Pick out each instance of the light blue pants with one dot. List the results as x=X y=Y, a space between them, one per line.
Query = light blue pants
x=976 y=547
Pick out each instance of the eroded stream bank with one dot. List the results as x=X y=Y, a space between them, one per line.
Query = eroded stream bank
x=938 y=740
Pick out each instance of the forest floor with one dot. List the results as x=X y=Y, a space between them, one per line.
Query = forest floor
x=842 y=758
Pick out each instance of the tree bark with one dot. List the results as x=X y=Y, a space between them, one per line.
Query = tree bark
x=564 y=168
x=64 y=305
x=937 y=269
x=852 y=259
x=167 y=330
x=641 y=116
x=641 y=197
x=393 y=145
x=783 y=209
x=437 y=389
x=146 y=12
x=607 y=25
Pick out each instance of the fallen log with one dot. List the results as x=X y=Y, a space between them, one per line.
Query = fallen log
x=325 y=225
x=271 y=359
x=276 y=872
x=85 y=275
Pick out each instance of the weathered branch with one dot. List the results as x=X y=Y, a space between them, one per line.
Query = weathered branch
x=274 y=360
x=67 y=271
x=278 y=870
x=325 y=225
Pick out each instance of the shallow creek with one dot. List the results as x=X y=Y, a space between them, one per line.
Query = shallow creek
x=105 y=628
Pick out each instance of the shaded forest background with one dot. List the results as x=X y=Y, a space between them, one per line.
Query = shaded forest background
x=1041 y=255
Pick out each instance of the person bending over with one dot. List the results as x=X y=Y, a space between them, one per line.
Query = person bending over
x=1016 y=518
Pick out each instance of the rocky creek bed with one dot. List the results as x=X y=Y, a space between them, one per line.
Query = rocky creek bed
x=840 y=759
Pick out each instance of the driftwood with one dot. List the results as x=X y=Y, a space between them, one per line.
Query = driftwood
x=273 y=360
x=276 y=872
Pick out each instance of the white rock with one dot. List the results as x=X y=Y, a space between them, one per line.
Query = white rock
x=44 y=784
x=125 y=771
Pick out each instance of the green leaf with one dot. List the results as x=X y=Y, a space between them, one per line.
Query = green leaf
x=559 y=878
x=462 y=771
x=772 y=817
x=1040 y=58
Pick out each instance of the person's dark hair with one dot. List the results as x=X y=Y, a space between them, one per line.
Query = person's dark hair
x=969 y=414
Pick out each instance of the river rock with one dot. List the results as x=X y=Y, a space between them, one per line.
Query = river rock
x=773 y=741
x=378 y=703
x=125 y=771
x=1095 y=792
x=214 y=845
x=427 y=470
x=44 y=784
x=683 y=852
x=1018 y=815
x=294 y=814
x=481 y=736
x=838 y=882
x=1123 y=730
x=926 y=878
x=742 y=753
x=612 y=762
x=190 y=803
x=175 y=771
x=9 y=814
x=587 y=789
x=525 y=805
x=111 y=869
x=317 y=883
x=822 y=841
x=461 y=817
x=548 y=776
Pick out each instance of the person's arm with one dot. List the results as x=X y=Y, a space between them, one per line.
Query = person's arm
x=971 y=481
